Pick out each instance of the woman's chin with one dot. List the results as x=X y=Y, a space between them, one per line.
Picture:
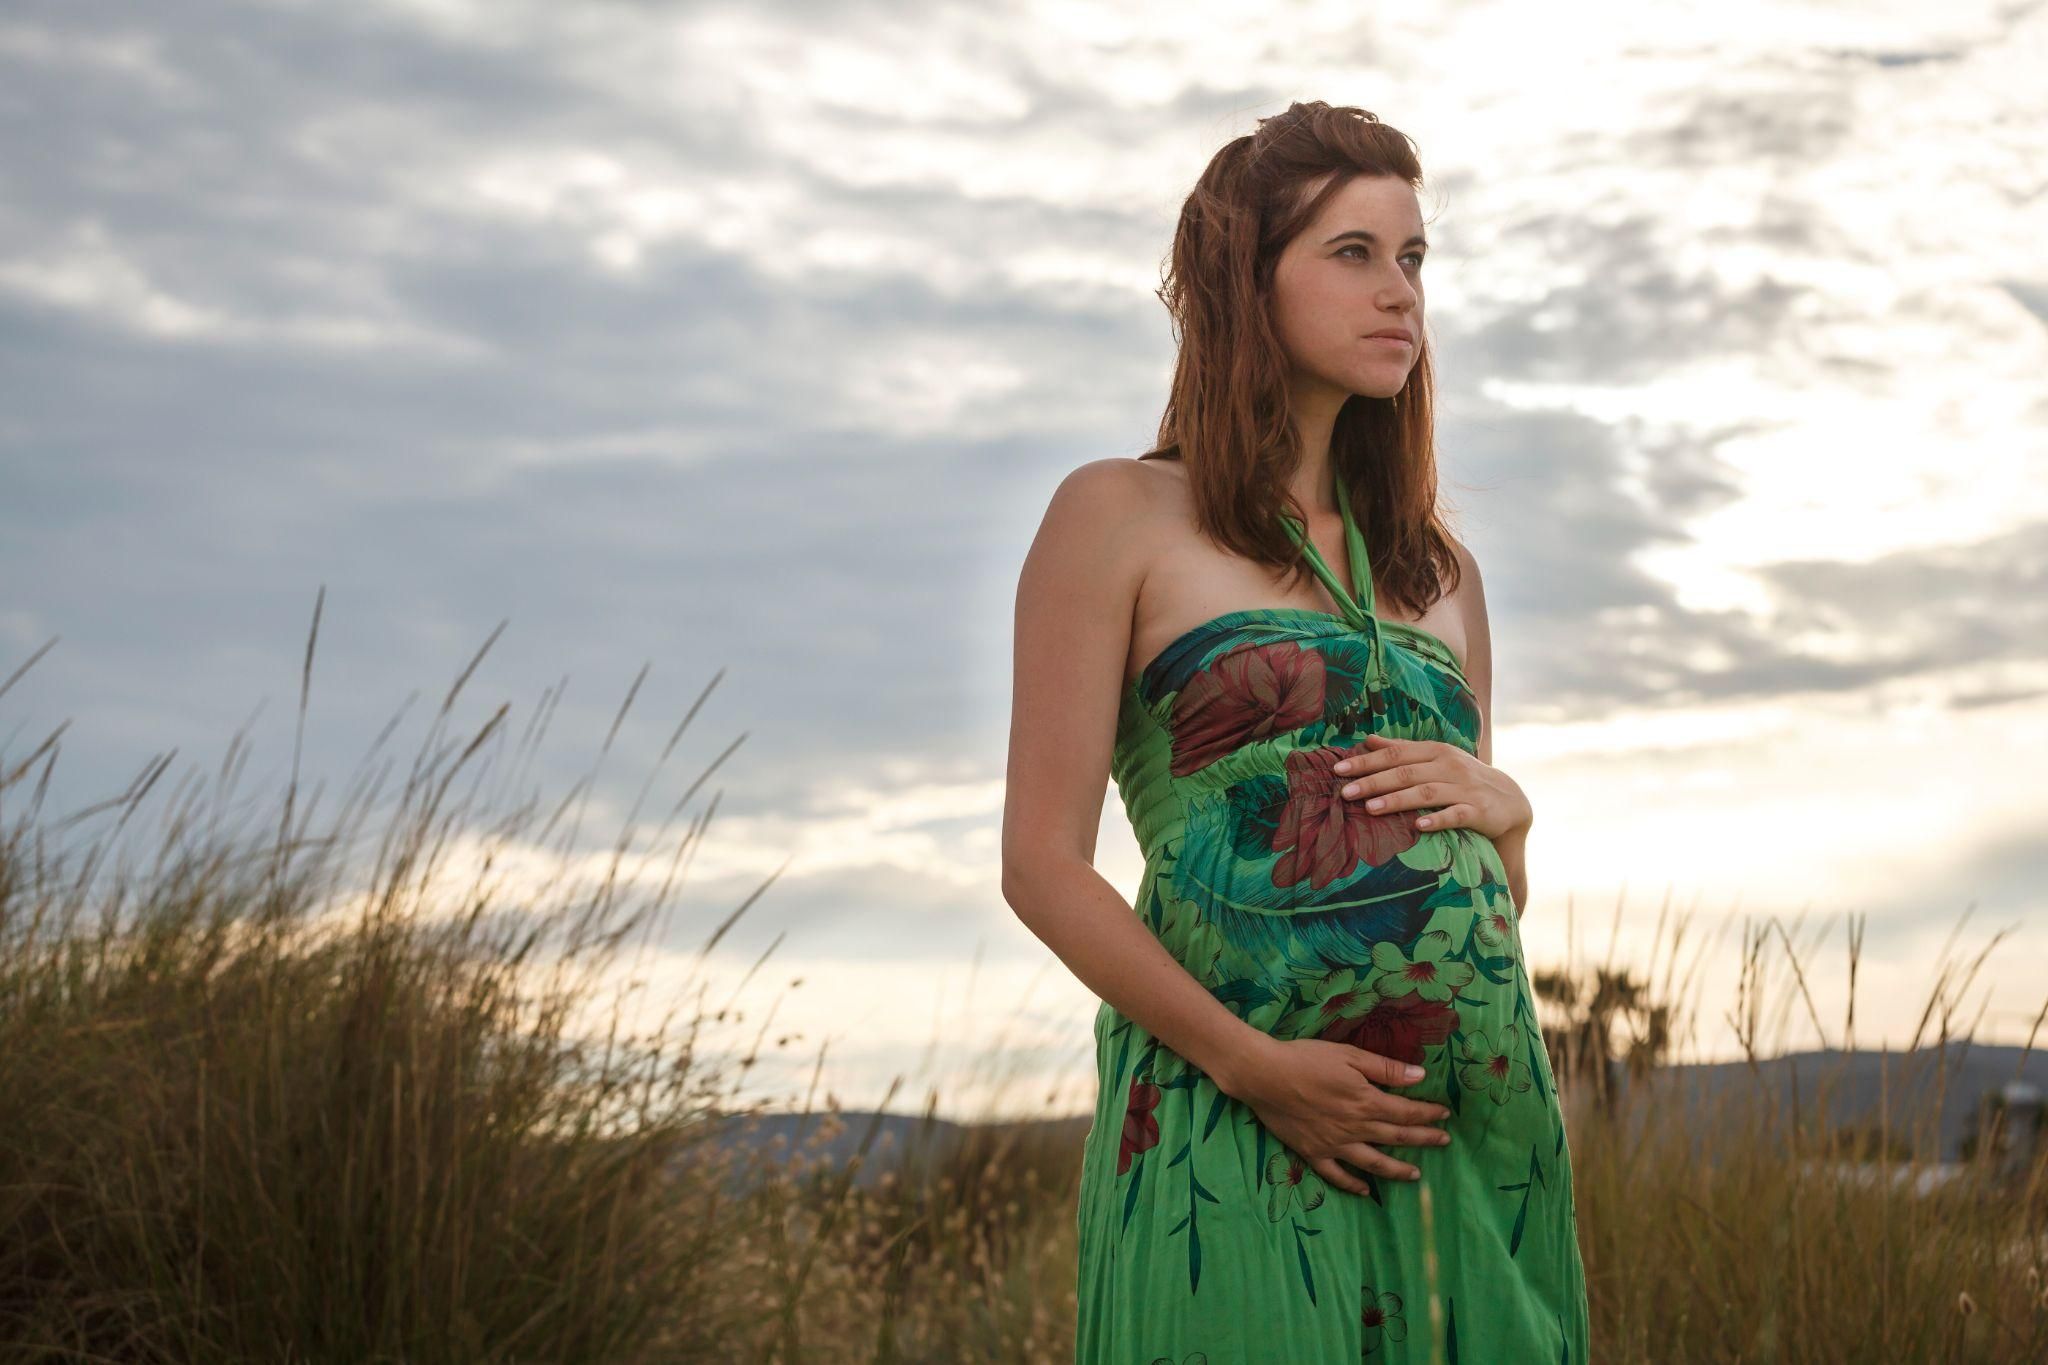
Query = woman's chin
x=1379 y=381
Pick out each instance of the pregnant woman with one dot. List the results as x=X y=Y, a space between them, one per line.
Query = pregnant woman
x=1327 y=1129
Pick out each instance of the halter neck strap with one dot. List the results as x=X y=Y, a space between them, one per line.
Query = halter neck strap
x=1356 y=602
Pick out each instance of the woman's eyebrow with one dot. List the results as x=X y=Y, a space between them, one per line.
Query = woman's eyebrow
x=1365 y=236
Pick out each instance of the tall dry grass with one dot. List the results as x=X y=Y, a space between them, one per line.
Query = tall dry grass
x=1757 y=1223
x=275 y=1094
x=281 y=1096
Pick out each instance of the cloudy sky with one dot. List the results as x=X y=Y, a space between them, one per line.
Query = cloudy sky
x=753 y=338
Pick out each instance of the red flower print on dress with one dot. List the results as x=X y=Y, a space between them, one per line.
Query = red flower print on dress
x=1246 y=695
x=1399 y=1028
x=1427 y=974
x=1141 y=1128
x=1381 y=1317
x=1322 y=835
x=1289 y=1182
x=1496 y=1070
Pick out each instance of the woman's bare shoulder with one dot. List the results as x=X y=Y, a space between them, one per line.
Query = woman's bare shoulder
x=1119 y=482
x=1110 y=505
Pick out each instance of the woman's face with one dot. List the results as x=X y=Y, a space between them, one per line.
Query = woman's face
x=1354 y=271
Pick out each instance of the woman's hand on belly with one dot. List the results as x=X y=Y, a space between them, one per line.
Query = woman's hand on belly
x=1324 y=1100
x=1416 y=774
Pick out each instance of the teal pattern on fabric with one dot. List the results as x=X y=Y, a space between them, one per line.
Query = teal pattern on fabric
x=1201 y=1236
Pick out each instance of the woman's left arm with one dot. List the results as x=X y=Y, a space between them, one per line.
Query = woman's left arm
x=1409 y=774
x=1513 y=846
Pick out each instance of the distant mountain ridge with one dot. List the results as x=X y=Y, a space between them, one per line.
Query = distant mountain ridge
x=1865 y=1085
x=1857 y=1081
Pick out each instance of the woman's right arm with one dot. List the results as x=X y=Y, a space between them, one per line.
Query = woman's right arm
x=1075 y=596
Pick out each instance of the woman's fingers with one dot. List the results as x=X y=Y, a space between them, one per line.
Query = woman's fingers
x=1456 y=815
x=1328 y=1169
x=1367 y=1157
x=1377 y=785
x=1404 y=1135
x=1381 y=1069
x=1371 y=1158
x=1389 y=1108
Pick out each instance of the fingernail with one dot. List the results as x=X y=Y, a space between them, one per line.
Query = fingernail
x=1413 y=1072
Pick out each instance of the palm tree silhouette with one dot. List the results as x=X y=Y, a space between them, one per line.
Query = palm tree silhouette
x=1604 y=1030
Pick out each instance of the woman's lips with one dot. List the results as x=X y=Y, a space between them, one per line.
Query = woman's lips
x=1390 y=341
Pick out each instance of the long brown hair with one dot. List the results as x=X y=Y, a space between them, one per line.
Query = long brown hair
x=1227 y=412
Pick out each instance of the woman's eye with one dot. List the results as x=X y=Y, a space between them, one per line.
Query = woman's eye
x=1415 y=256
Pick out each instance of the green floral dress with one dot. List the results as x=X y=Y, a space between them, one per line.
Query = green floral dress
x=1204 y=1239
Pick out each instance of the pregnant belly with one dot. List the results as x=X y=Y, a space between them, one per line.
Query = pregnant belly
x=1391 y=947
